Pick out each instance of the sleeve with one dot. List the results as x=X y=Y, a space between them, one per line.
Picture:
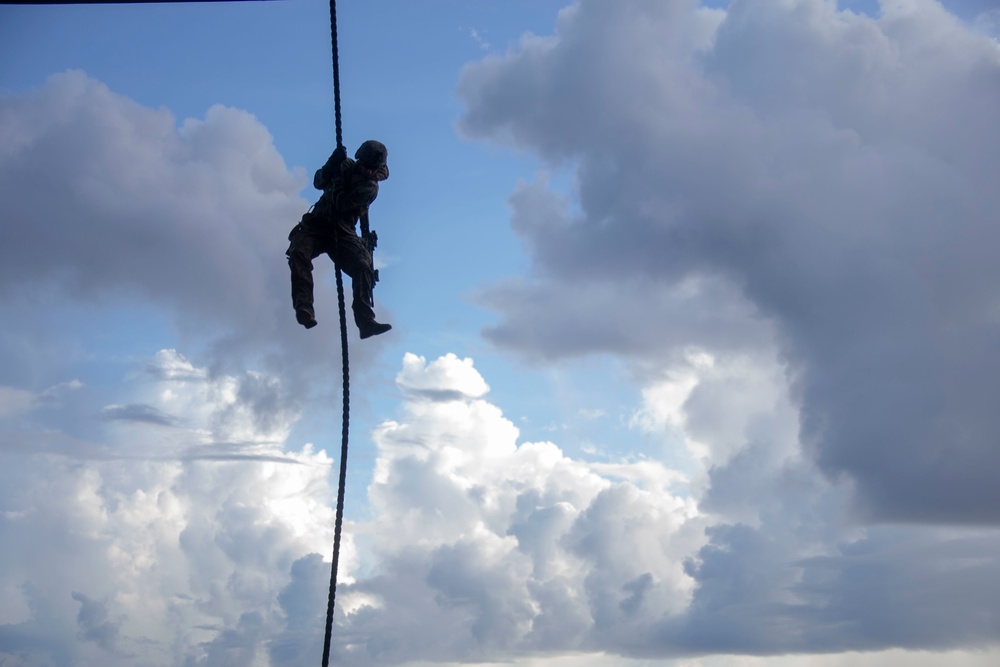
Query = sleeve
x=354 y=192
x=325 y=175
x=359 y=195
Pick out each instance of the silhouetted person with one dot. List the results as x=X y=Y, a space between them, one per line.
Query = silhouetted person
x=349 y=187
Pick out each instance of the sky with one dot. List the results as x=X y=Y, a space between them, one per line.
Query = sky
x=695 y=352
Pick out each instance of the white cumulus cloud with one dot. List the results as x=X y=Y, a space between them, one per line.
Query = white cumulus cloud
x=487 y=546
x=156 y=541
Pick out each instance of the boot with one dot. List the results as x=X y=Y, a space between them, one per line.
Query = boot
x=364 y=314
x=372 y=328
x=305 y=317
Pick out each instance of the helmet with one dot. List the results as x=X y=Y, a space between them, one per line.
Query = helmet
x=372 y=154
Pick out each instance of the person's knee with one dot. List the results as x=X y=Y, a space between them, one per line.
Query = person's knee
x=299 y=252
x=352 y=264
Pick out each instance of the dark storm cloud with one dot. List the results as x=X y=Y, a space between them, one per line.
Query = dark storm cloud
x=836 y=172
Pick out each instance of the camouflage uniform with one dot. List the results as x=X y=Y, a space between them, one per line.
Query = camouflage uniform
x=349 y=187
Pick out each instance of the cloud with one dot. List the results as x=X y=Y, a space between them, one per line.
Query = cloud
x=14 y=401
x=138 y=413
x=126 y=216
x=248 y=409
x=778 y=217
x=478 y=38
x=93 y=622
x=160 y=545
x=989 y=23
x=894 y=587
x=447 y=378
x=779 y=174
x=129 y=202
x=475 y=545
x=757 y=230
x=486 y=546
x=482 y=546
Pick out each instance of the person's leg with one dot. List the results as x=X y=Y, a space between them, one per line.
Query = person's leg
x=301 y=251
x=354 y=259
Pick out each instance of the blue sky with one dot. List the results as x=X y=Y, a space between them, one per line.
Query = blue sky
x=454 y=228
x=273 y=59
x=694 y=342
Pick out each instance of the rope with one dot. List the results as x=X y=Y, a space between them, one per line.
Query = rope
x=331 y=599
x=336 y=73
x=343 y=472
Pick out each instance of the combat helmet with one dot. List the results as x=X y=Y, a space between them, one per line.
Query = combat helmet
x=372 y=154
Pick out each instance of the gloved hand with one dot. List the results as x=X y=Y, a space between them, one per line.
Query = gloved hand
x=325 y=174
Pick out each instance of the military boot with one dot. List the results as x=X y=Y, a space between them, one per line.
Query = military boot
x=372 y=328
x=304 y=316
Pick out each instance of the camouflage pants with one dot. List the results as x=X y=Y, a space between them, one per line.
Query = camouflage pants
x=309 y=241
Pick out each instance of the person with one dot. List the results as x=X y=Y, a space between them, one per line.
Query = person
x=349 y=188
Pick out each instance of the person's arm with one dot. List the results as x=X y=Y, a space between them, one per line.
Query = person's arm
x=325 y=175
x=355 y=192
x=359 y=196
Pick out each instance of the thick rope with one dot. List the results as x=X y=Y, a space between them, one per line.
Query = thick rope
x=331 y=599
x=343 y=472
x=336 y=73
